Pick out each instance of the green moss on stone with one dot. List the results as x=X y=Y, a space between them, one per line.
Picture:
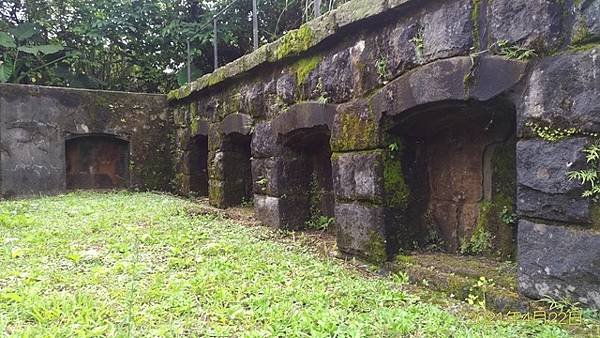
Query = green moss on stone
x=396 y=189
x=294 y=42
x=503 y=200
x=475 y=11
x=305 y=66
x=582 y=34
x=376 y=248
x=355 y=133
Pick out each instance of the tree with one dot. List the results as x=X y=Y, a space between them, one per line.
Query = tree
x=130 y=45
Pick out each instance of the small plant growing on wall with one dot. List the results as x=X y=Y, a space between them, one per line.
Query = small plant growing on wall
x=382 y=71
x=510 y=51
x=419 y=41
x=589 y=176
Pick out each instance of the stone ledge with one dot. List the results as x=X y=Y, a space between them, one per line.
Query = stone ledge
x=293 y=43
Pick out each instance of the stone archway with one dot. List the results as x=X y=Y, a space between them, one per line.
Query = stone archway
x=230 y=169
x=295 y=186
x=457 y=160
x=429 y=127
x=97 y=161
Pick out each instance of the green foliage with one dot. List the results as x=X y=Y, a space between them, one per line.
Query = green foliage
x=510 y=51
x=478 y=292
x=136 y=45
x=589 y=176
x=396 y=189
x=550 y=134
x=481 y=240
x=419 y=41
x=23 y=55
x=319 y=222
x=508 y=216
x=382 y=71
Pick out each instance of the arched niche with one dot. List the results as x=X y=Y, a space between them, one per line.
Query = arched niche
x=97 y=161
x=306 y=183
x=457 y=161
x=198 y=165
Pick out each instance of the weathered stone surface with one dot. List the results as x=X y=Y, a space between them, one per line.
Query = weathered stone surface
x=356 y=127
x=264 y=141
x=587 y=21
x=447 y=30
x=237 y=123
x=304 y=115
x=559 y=262
x=266 y=209
x=565 y=92
x=544 y=190
x=395 y=47
x=334 y=76
x=253 y=100
x=353 y=11
x=35 y=122
x=530 y=23
x=286 y=88
x=360 y=230
x=358 y=176
x=266 y=173
x=444 y=80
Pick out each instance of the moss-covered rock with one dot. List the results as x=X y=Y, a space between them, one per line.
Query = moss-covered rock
x=294 y=42
x=356 y=127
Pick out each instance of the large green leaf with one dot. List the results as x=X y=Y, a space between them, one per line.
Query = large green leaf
x=24 y=31
x=7 y=41
x=29 y=49
x=49 y=49
x=5 y=73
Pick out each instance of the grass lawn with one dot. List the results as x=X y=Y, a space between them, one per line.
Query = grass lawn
x=139 y=264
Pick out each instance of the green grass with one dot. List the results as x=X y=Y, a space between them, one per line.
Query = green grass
x=125 y=264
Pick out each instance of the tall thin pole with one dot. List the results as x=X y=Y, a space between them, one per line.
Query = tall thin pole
x=317 y=5
x=189 y=63
x=215 y=47
x=255 y=23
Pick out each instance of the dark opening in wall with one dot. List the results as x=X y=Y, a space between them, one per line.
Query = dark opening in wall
x=458 y=165
x=308 y=200
x=97 y=162
x=237 y=169
x=199 y=165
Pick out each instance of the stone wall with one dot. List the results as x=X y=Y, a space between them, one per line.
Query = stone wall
x=36 y=123
x=441 y=118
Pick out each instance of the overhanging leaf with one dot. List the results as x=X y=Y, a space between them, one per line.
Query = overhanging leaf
x=5 y=73
x=24 y=31
x=7 y=41
x=49 y=49
x=29 y=49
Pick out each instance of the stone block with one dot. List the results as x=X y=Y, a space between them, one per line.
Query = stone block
x=543 y=188
x=447 y=30
x=358 y=176
x=355 y=127
x=530 y=23
x=264 y=141
x=266 y=209
x=563 y=91
x=267 y=173
x=559 y=262
x=360 y=230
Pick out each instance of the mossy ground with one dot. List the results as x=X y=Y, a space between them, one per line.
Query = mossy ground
x=124 y=264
